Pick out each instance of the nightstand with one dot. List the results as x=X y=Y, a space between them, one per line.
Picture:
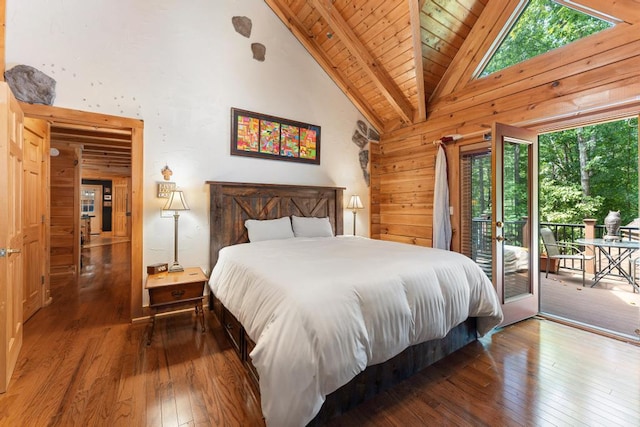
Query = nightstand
x=173 y=291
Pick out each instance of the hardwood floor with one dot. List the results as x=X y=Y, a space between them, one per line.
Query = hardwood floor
x=84 y=364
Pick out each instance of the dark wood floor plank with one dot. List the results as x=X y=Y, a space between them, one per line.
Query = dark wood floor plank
x=84 y=363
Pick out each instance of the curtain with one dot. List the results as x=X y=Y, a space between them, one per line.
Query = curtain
x=441 y=218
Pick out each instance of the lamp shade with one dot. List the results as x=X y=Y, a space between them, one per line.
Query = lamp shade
x=355 y=202
x=176 y=202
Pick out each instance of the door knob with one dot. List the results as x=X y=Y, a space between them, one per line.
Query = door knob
x=5 y=252
x=500 y=238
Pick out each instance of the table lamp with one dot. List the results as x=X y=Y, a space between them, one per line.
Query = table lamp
x=176 y=203
x=354 y=204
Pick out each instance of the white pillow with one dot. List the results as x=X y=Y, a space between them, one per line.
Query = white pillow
x=311 y=227
x=269 y=229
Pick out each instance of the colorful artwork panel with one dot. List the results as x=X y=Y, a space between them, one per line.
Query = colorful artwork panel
x=248 y=128
x=269 y=137
x=308 y=143
x=289 y=141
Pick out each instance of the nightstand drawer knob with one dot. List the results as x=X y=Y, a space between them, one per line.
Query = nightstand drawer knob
x=177 y=294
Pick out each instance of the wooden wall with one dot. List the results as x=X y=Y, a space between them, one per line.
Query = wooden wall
x=65 y=222
x=593 y=79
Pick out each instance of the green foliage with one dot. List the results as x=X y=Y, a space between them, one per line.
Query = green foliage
x=612 y=165
x=564 y=203
x=515 y=181
x=543 y=25
x=481 y=185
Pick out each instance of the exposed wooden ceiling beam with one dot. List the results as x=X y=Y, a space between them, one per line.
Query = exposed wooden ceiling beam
x=84 y=129
x=416 y=35
x=375 y=71
x=624 y=10
x=289 y=19
x=477 y=45
x=105 y=154
x=105 y=142
x=62 y=133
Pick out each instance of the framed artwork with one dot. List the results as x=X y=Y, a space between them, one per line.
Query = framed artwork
x=165 y=189
x=269 y=137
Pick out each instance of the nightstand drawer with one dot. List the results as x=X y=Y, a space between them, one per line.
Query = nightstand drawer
x=174 y=294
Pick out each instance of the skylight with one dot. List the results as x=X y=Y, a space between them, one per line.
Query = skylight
x=542 y=26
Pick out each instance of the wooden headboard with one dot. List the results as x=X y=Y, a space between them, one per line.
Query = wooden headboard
x=231 y=203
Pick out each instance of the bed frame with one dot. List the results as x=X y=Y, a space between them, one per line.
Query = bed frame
x=232 y=203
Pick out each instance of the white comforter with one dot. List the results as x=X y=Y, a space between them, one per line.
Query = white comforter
x=322 y=309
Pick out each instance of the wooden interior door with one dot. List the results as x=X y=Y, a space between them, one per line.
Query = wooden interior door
x=121 y=207
x=91 y=205
x=36 y=251
x=11 y=228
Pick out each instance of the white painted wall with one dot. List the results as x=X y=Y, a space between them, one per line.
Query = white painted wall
x=180 y=66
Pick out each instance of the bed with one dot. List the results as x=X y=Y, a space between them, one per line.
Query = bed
x=283 y=302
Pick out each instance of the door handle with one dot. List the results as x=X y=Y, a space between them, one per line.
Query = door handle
x=6 y=252
x=500 y=238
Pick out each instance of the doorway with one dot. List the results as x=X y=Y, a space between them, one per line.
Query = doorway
x=586 y=172
x=499 y=214
x=127 y=134
x=90 y=211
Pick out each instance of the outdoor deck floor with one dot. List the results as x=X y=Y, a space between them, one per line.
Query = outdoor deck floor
x=611 y=305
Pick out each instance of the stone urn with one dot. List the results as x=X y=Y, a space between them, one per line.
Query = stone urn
x=612 y=225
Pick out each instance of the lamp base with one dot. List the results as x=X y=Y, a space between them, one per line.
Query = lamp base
x=175 y=267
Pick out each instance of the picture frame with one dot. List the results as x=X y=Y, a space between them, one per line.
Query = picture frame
x=275 y=138
x=165 y=189
x=107 y=197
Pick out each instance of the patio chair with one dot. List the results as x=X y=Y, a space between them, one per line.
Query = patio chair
x=563 y=250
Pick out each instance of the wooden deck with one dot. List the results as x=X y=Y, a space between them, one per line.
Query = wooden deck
x=611 y=305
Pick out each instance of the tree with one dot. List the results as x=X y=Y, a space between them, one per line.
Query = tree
x=542 y=26
x=588 y=171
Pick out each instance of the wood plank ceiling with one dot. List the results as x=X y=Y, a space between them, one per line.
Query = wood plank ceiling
x=104 y=151
x=370 y=49
x=391 y=57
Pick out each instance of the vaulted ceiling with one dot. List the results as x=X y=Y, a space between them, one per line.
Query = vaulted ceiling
x=392 y=57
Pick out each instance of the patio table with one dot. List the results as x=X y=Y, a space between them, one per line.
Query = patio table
x=626 y=248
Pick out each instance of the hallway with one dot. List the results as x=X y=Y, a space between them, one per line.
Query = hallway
x=85 y=364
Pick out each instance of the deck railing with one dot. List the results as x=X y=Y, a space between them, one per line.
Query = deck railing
x=564 y=232
x=572 y=232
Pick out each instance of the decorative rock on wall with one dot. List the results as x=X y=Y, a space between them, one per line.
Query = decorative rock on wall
x=362 y=135
x=31 y=85
x=243 y=26
x=259 y=50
